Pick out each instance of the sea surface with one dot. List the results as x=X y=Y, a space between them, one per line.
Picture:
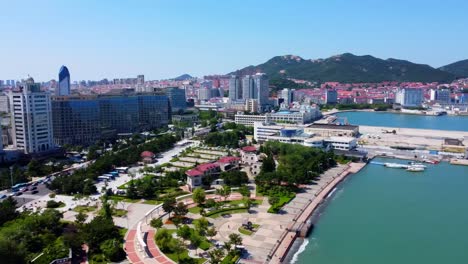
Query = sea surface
x=383 y=215
x=445 y=122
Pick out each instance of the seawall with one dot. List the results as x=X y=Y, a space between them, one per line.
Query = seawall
x=301 y=226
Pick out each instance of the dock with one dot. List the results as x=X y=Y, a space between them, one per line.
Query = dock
x=463 y=162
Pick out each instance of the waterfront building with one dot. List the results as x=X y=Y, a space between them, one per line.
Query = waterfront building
x=302 y=115
x=442 y=96
x=82 y=120
x=63 y=86
x=31 y=118
x=341 y=143
x=409 y=97
x=292 y=134
x=331 y=96
x=235 y=88
x=176 y=98
x=330 y=130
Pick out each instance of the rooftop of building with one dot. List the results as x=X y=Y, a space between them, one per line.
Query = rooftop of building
x=249 y=149
x=333 y=126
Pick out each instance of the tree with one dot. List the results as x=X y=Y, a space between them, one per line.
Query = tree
x=210 y=203
x=234 y=178
x=169 y=205
x=184 y=232
x=99 y=230
x=180 y=210
x=33 y=169
x=201 y=225
x=112 y=250
x=176 y=221
x=268 y=164
x=131 y=188
x=216 y=255
x=199 y=195
x=273 y=200
x=80 y=218
x=8 y=210
x=244 y=190
x=211 y=232
x=163 y=239
x=177 y=247
x=156 y=223
x=235 y=239
x=195 y=240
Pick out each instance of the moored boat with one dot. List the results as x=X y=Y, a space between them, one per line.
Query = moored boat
x=415 y=169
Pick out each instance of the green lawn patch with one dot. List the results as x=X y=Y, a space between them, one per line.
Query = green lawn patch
x=221 y=212
x=195 y=210
x=119 y=212
x=84 y=208
x=284 y=199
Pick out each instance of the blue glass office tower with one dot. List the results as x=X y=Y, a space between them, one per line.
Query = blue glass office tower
x=63 y=86
x=86 y=119
x=176 y=98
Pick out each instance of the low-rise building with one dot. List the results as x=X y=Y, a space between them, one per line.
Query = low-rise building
x=185 y=118
x=196 y=175
x=341 y=143
x=331 y=130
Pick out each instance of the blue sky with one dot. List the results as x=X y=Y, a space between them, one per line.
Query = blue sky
x=163 y=39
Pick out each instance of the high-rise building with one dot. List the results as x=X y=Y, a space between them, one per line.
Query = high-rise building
x=31 y=118
x=63 y=86
x=141 y=79
x=256 y=87
x=204 y=93
x=82 y=120
x=177 y=98
x=331 y=96
x=235 y=88
x=409 y=97
x=4 y=104
x=443 y=96
x=286 y=94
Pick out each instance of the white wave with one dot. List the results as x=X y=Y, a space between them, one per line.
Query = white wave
x=300 y=250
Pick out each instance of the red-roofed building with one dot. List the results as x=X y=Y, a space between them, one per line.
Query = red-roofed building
x=229 y=163
x=195 y=176
x=249 y=149
x=147 y=156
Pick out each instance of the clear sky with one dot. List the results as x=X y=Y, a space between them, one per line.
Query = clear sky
x=163 y=39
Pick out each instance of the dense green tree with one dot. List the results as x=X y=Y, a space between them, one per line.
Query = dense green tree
x=216 y=255
x=199 y=195
x=184 y=232
x=169 y=205
x=234 y=178
x=98 y=230
x=180 y=210
x=8 y=210
x=112 y=250
x=156 y=223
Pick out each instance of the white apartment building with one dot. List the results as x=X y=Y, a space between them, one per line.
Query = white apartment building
x=302 y=115
x=409 y=97
x=31 y=118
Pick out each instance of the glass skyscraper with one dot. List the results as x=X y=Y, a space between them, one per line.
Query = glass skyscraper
x=177 y=98
x=63 y=86
x=83 y=120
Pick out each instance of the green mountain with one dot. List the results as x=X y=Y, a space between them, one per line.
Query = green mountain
x=459 y=68
x=347 y=68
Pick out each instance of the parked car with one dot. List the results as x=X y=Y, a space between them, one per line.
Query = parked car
x=34 y=191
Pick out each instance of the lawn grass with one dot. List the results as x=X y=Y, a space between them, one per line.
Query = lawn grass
x=84 y=208
x=195 y=210
x=244 y=231
x=119 y=212
x=233 y=211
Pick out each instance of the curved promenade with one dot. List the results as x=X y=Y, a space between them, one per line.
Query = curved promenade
x=281 y=249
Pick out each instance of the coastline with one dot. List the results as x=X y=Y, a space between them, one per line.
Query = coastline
x=335 y=111
x=301 y=225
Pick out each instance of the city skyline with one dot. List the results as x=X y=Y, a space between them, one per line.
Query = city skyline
x=102 y=39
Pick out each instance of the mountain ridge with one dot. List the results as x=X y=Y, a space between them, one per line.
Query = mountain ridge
x=347 y=67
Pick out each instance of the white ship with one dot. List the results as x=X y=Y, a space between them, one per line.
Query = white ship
x=396 y=165
x=415 y=169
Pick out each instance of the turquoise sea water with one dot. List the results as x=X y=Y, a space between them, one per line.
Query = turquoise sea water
x=445 y=122
x=383 y=215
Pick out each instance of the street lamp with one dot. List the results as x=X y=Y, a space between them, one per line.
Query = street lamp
x=11 y=175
